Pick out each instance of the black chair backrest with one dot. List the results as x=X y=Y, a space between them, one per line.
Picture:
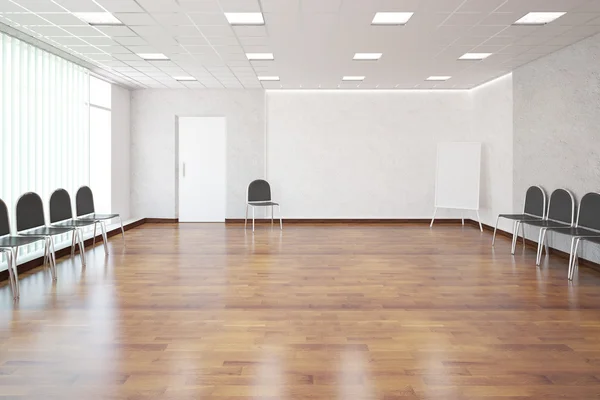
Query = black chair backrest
x=589 y=211
x=60 y=206
x=259 y=190
x=535 y=202
x=30 y=212
x=84 y=201
x=562 y=206
x=4 y=222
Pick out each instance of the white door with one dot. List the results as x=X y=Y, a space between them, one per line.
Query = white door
x=202 y=179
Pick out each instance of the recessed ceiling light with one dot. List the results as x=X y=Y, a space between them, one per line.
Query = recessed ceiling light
x=475 y=56
x=245 y=18
x=185 y=78
x=367 y=56
x=260 y=56
x=438 y=78
x=539 y=18
x=353 y=78
x=98 y=18
x=268 y=78
x=391 y=18
x=153 y=56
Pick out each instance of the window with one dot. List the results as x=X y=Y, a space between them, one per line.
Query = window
x=44 y=124
x=100 y=143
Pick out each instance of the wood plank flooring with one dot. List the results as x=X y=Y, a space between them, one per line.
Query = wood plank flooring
x=387 y=312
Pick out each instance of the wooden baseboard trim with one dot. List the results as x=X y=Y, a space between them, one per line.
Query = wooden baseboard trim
x=29 y=265
x=161 y=220
x=345 y=221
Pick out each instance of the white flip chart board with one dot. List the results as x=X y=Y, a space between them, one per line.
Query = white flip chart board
x=458 y=175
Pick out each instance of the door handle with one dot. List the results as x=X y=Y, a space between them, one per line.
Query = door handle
x=184 y=170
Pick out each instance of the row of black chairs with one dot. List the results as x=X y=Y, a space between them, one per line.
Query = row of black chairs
x=32 y=227
x=558 y=217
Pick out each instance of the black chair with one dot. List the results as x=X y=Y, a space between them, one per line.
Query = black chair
x=32 y=223
x=533 y=209
x=84 y=203
x=587 y=227
x=10 y=245
x=561 y=215
x=575 y=259
x=258 y=194
x=61 y=215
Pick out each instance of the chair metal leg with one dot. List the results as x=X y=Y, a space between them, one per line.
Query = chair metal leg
x=514 y=238
x=523 y=233
x=94 y=237
x=81 y=246
x=122 y=230
x=74 y=234
x=15 y=254
x=432 y=218
x=272 y=216
x=11 y=281
x=575 y=259
x=246 y=218
x=495 y=229
x=46 y=252
x=253 y=218
x=280 y=218
x=571 y=257
x=541 y=243
x=104 y=238
x=52 y=256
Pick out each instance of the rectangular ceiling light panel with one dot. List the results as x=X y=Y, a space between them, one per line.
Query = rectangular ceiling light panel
x=367 y=56
x=539 y=18
x=245 y=18
x=391 y=18
x=98 y=18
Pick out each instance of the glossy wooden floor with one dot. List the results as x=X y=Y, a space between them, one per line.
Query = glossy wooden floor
x=316 y=312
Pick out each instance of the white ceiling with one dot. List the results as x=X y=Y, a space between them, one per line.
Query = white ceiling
x=313 y=40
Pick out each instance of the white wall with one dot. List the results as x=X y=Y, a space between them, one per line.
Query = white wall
x=372 y=154
x=154 y=167
x=120 y=152
x=493 y=126
x=557 y=117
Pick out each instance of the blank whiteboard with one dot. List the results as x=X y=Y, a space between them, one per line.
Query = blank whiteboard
x=458 y=175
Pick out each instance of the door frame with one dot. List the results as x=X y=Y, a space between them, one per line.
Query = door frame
x=176 y=169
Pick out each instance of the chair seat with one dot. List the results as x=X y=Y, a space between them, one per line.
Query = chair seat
x=575 y=231
x=595 y=240
x=46 y=231
x=97 y=217
x=520 y=217
x=14 y=241
x=73 y=223
x=262 y=203
x=546 y=224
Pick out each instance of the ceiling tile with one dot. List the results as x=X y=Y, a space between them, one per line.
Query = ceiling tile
x=62 y=19
x=135 y=18
x=191 y=40
x=79 y=5
x=240 y=5
x=116 y=6
x=209 y=19
x=83 y=31
x=159 y=5
x=116 y=31
x=27 y=19
x=131 y=41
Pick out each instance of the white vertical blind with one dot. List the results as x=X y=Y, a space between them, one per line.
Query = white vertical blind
x=44 y=123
